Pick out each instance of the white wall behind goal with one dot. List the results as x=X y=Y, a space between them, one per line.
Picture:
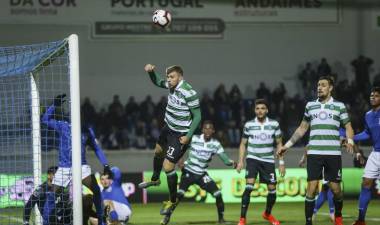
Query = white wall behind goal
x=246 y=55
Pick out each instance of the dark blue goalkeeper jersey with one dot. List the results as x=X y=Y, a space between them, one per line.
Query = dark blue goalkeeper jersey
x=371 y=129
x=63 y=128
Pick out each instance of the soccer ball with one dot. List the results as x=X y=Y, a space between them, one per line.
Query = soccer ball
x=162 y=18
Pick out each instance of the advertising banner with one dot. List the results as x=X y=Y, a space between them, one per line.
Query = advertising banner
x=291 y=188
x=196 y=17
x=15 y=190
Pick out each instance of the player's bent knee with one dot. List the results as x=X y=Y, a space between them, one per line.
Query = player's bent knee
x=180 y=192
x=168 y=166
x=217 y=194
x=158 y=151
x=272 y=187
x=249 y=187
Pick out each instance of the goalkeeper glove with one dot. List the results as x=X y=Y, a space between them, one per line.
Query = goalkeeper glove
x=107 y=171
x=59 y=100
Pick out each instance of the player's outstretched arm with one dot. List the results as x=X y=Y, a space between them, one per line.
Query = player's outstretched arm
x=116 y=175
x=96 y=147
x=298 y=134
x=154 y=77
x=48 y=117
x=226 y=160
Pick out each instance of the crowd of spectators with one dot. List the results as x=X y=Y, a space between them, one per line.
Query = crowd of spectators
x=137 y=124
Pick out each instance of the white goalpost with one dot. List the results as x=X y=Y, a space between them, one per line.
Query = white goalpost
x=75 y=128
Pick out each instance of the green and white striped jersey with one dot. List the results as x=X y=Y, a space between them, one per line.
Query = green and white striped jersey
x=200 y=153
x=180 y=101
x=325 y=120
x=261 y=139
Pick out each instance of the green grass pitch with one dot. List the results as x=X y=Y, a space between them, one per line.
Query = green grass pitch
x=200 y=213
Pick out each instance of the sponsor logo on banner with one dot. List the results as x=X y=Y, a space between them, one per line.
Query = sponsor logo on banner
x=291 y=188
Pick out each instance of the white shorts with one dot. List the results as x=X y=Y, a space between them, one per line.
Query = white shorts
x=63 y=175
x=122 y=210
x=372 y=167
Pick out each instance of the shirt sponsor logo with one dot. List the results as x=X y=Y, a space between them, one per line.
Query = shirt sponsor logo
x=322 y=115
x=262 y=136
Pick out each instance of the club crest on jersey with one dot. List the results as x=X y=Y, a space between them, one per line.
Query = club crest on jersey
x=174 y=100
x=323 y=115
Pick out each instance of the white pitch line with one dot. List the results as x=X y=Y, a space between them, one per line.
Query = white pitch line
x=349 y=216
x=12 y=218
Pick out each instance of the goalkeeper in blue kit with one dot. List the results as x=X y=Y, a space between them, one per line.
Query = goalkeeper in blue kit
x=63 y=176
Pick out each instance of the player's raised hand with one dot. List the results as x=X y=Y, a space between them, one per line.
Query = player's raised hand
x=281 y=151
x=59 y=100
x=184 y=140
x=149 y=68
x=239 y=166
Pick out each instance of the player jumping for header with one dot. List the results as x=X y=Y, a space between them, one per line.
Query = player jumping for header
x=182 y=117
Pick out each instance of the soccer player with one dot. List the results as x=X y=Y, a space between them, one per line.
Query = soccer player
x=182 y=117
x=259 y=136
x=372 y=167
x=116 y=204
x=201 y=150
x=63 y=175
x=325 y=194
x=39 y=197
x=324 y=117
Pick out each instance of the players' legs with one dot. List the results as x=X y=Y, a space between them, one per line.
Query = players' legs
x=365 y=197
x=158 y=160
x=333 y=173
x=314 y=174
x=246 y=198
x=172 y=179
x=118 y=212
x=312 y=187
x=187 y=179
x=209 y=185
x=322 y=197
x=271 y=198
x=250 y=178
x=371 y=172
x=267 y=174
x=159 y=153
x=91 y=183
x=338 y=198
x=330 y=200
x=58 y=201
x=87 y=208
x=174 y=153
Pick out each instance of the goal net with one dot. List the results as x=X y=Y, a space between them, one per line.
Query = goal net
x=31 y=78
